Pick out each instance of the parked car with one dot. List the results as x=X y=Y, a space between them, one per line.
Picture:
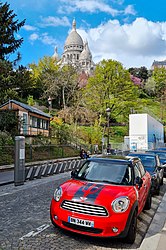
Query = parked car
x=152 y=164
x=103 y=198
x=161 y=148
x=162 y=156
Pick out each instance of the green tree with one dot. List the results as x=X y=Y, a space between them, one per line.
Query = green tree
x=141 y=73
x=59 y=83
x=110 y=86
x=150 y=86
x=9 y=122
x=45 y=78
x=8 y=27
x=14 y=83
x=159 y=76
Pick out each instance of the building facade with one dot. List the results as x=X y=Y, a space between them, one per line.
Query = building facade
x=32 y=120
x=76 y=52
x=158 y=64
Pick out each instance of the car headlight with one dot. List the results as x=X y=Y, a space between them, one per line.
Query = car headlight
x=57 y=194
x=120 y=204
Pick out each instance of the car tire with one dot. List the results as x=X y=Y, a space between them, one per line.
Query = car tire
x=158 y=190
x=148 y=202
x=131 y=235
x=161 y=183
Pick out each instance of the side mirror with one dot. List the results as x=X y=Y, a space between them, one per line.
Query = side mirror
x=74 y=173
x=139 y=182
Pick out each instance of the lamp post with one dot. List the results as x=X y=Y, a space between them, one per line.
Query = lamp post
x=108 y=110
x=49 y=103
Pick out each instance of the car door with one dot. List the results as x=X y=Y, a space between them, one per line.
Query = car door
x=159 y=169
x=143 y=190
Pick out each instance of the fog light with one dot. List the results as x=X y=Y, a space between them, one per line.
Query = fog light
x=55 y=217
x=115 y=229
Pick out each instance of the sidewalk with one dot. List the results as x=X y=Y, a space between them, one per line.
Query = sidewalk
x=155 y=238
x=6 y=177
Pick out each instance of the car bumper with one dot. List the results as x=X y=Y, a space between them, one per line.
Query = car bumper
x=103 y=226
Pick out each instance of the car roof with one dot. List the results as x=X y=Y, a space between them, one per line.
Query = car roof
x=121 y=160
x=156 y=150
x=139 y=154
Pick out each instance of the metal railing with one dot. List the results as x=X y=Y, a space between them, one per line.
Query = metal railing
x=50 y=168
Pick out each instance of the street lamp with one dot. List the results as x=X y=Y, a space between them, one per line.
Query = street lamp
x=49 y=103
x=108 y=110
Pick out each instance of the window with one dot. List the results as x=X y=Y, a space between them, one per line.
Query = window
x=34 y=122
x=139 y=169
x=136 y=171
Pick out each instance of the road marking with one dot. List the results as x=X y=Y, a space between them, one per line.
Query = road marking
x=34 y=233
x=4 y=194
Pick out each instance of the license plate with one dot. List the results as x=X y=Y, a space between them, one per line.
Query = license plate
x=80 y=222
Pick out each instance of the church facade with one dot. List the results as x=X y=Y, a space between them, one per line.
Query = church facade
x=76 y=52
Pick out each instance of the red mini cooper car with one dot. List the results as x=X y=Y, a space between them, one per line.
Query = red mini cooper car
x=103 y=198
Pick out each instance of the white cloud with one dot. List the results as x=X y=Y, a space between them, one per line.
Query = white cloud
x=34 y=37
x=135 y=44
x=49 y=40
x=54 y=21
x=29 y=27
x=92 y=6
x=44 y=38
x=130 y=10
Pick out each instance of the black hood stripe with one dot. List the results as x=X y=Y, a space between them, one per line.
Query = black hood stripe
x=90 y=191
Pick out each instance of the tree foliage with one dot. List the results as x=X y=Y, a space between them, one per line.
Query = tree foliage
x=9 y=122
x=159 y=76
x=110 y=86
x=59 y=83
x=141 y=73
x=8 y=27
x=14 y=84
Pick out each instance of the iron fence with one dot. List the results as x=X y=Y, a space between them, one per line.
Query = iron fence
x=37 y=153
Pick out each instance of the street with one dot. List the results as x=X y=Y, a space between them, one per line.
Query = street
x=25 y=222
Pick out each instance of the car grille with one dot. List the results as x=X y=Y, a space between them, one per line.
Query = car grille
x=81 y=228
x=84 y=208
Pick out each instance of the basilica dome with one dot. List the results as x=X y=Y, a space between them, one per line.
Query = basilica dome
x=85 y=54
x=74 y=38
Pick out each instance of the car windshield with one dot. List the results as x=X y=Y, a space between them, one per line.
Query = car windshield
x=148 y=161
x=162 y=155
x=107 y=172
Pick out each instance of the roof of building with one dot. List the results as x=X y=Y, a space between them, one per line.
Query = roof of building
x=74 y=38
x=159 y=62
x=27 y=107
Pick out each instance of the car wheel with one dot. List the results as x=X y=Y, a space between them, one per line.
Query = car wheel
x=131 y=235
x=161 y=183
x=157 y=190
x=148 y=202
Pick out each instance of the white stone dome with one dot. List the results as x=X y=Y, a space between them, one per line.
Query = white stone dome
x=74 y=38
x=85 y=54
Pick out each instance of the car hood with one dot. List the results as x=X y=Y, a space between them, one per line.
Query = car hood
x=94 y=192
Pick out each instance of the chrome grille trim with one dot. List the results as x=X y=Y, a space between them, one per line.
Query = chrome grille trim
x=83 y=208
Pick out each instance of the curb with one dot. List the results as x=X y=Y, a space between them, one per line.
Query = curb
x=155 y=238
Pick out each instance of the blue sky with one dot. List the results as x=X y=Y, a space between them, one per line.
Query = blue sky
x=132 y=32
